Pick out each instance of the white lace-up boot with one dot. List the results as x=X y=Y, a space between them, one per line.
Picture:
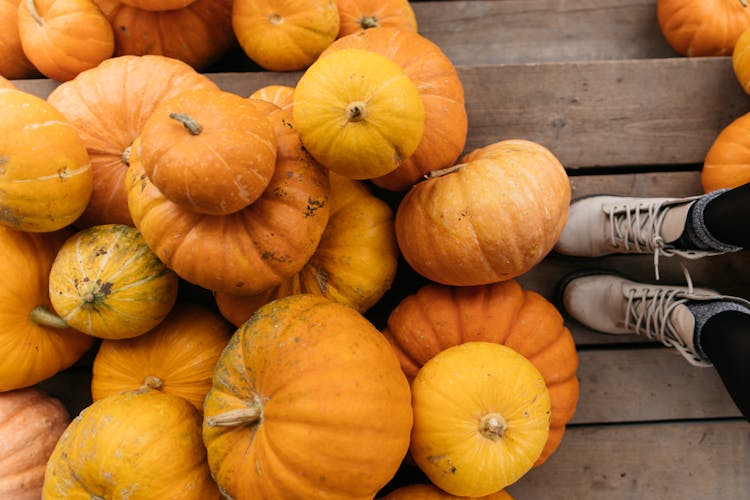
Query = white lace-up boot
x=610 y=303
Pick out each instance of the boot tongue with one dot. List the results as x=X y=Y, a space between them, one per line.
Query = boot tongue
x=683 y=322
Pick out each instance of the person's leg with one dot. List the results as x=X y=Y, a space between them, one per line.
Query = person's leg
x=727 y=217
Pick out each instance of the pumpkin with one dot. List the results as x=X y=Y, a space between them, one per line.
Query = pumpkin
x=45 y=174
x=727 y=162
x=249 y=251
x=35 y=344
x=139 y=445
x=197 y=34
x=158 y=5
x=490 y=218
x=438 y=317
x=31 y=422
x=430 y=492
x=285 y=35
x=741 y=61
x=358 y=113
x=108 y=106
x=702 y=27
x=178 y=356
x=308 y=401
x=355 y=261
x=481 y=418
x=64 y=37
x=6 y=84
x=280 y=95
x=13 y=62
x=358 y=15
x=209 y=151
x=106 y=282
x=441 y=92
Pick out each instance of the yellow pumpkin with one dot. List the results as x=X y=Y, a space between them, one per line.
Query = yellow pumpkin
x=178 y=356
x=45 y=175
x=139 y=445
x=481 y=418
x=106 y=282
x=358 y=113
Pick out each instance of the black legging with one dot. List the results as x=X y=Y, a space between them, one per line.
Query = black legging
x=726 y=216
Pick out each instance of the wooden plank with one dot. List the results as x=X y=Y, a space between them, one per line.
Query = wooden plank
x=501 y=32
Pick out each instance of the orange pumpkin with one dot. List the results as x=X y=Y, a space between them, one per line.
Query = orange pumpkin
x=727 y=162
x=197 y=34
x=285 y=35
x=702 y=27
x=355 y=261
x=35 y=344
x=249 y=251
x=358 y=15
x=209 y=151
x=430 y=492
x=177 y=357
x=158 y=5
x=308 y=401
x=441 y=92
x=438 y=317
x=108 y=106
x=64 y=37
x=5 y=84
x=491 y=218
x=280 y=95
x=741 y=60
x=13 y=62
x=31 y=422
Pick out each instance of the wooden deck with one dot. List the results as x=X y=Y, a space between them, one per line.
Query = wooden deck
x=594 y=81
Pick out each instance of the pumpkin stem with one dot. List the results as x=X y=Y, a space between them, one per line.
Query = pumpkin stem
x=356 y=111
x=492 y=426
x=152 y=382
x=43 y=316
x=125 y=157
x=444 y=171
x=193 y=126
x=369 y=22
x=233 y=418
x=275 y=19
x=34 y=13
x=744 y=3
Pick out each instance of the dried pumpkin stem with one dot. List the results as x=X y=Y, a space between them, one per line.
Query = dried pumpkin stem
x=356 y=111
x=43 y=316
x=152 y=382
x=188 y=121
x=492 y=426
x=34 y=13
x=234 y=418
x=444 y=171
x=744 y=3
x=125 y=157
x=369 y=22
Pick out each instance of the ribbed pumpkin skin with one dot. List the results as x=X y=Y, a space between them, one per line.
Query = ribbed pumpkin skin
x=492 y=219
x=64 y=37
x=441 y=91
x=46 y=177
x=430 y=492
x=727 y=162
x=197 y=34
x=13 y=62
x=139 y=445
x=178 y=356
x=335 y=406
x=108 y=106
x=31 y=352
x=355 y=261
x=280 y=95
x=438 y=317
x=741 y=60
x=358 y=15
x=158 y=5
x=702 y=27
x=285 y=35
x=106 y=282
x=31 y=422
x=458 y=396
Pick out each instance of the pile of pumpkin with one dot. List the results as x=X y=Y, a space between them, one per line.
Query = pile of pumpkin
x=140 y=176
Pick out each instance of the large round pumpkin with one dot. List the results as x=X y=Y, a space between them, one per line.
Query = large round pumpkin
x=285 y=35
x=438 y=317
x=249 y=251
x=702 y=27
x=491 y=218
x=727 y=162
x=308 y=401
x=64 y=37
x=441 y=93
x=481 y=418
x=430 y=492
x=31 y=422
x=139 y=445
x=177 y=357
x=358 y=15
x=45 y=174
x=108 y=106
x=358 y=113
x=35 y=344
x=13 y=62
x=106 y=282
